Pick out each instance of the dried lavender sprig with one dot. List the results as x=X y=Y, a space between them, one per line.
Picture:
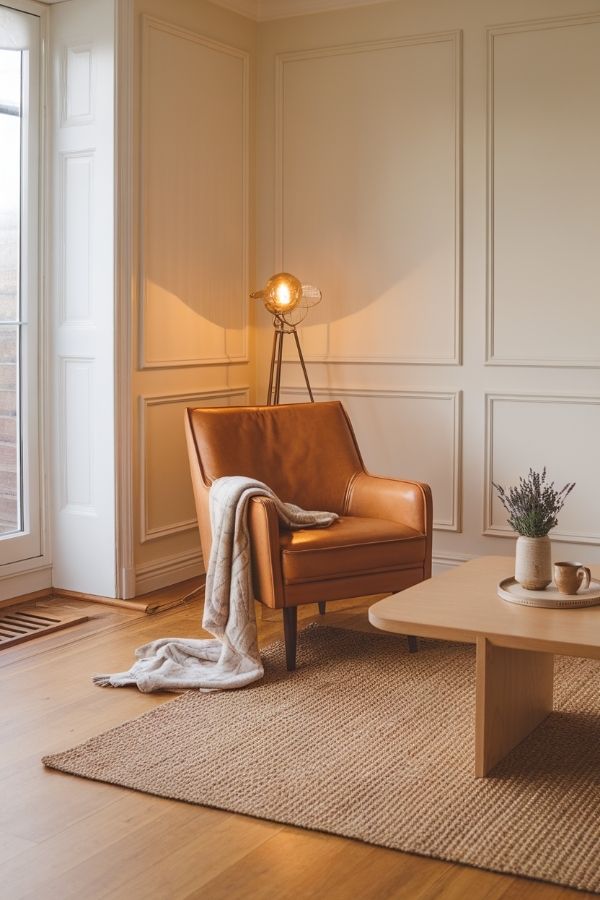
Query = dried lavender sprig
x=533 y=505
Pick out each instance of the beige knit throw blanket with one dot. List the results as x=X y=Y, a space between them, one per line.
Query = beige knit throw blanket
x=232 y=659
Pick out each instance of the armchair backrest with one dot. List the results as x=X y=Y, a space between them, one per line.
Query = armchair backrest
x=305 y=452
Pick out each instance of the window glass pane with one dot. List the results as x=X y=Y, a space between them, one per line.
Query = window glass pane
x=10 y=247
x=10 y=513
x=10 y=181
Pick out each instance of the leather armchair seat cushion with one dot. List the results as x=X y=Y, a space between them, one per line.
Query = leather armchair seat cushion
x=353 y=545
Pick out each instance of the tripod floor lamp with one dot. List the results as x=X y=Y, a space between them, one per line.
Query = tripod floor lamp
x=289 y=300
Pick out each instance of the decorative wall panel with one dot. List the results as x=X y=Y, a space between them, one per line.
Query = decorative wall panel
x=408 y=434
x=544 y=193
x=368 y=205
x=559 y=432
x=167 y=502
x=194 y=199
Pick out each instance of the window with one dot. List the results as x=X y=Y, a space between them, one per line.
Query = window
x=19 y=284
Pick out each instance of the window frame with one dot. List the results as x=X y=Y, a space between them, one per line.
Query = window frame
x=26 y=553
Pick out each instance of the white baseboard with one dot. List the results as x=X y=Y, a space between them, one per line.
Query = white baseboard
x=168 y=570
x=18 y=584
x=445 y=561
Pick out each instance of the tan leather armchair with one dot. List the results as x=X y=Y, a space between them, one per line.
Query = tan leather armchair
x=307 y=453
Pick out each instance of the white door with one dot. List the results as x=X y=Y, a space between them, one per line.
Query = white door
x=82 y=296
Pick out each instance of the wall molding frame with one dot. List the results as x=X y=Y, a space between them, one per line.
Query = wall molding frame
x=490 y=399
x=281 y=59
x=146 y=401
x=149 y=23
x=454 y=397
x=491 y=359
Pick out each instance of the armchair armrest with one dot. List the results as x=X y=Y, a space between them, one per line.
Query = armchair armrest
x=263 y=526
x=406 y=502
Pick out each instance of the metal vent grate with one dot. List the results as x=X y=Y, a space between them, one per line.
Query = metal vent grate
x=24 y=624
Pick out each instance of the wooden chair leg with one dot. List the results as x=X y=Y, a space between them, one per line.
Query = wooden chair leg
x=413 y=643
x=290 y=631
x=322 y=605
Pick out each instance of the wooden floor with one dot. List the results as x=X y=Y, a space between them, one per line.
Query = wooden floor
x=64 y=837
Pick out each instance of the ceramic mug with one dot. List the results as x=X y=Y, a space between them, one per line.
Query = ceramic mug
x=570 y=576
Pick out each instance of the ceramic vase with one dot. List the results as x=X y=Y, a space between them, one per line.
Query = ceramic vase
x=533 y=562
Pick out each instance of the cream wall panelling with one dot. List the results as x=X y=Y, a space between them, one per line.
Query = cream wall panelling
x=388 y=250
x=166 y=499
x=543 y=266
x=194 y=199
x=408 y=434
x=537 y=430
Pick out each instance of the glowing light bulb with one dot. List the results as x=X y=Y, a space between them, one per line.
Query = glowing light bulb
x=282 y=293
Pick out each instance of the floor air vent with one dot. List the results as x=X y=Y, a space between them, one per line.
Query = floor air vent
x=24 y=624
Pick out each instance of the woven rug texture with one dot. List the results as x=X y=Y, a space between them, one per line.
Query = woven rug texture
x=368 y=741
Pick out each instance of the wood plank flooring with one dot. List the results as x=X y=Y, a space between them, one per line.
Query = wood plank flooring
x=63 y=837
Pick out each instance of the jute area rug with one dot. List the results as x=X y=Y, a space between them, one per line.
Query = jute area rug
x=368 y=741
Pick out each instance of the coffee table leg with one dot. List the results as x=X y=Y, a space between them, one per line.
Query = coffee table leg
x=513 y=695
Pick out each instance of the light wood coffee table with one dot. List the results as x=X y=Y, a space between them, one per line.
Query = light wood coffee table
x=515 y=646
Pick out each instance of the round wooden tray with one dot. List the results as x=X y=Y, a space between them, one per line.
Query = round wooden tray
x=550 y=598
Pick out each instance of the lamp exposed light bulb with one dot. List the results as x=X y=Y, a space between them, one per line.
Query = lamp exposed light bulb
x=286 y=297
x=282 y=293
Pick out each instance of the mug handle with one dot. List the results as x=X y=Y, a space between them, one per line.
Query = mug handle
x=586 y=576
